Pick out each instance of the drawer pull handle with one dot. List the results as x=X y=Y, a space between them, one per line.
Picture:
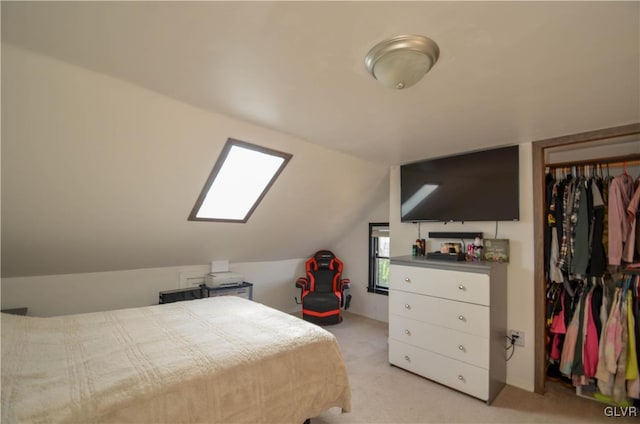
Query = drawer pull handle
x=407 y=280
x=461 y=318
x=406 y=358
x=460 y=347
x=407 y=332
x=460 y=377
x=461 y=287
x=407 y=306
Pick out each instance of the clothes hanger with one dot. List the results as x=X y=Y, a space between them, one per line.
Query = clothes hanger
x=624 y=171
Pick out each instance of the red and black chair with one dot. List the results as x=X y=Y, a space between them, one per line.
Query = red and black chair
x=324 y=292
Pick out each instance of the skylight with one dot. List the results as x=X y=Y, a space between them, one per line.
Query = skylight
x=240 y=178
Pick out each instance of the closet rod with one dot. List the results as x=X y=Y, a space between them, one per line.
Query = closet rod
x=630 y=160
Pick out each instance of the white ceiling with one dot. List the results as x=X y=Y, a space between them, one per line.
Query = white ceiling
x=509 y=72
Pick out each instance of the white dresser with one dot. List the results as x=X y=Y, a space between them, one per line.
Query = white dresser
x=447 y=322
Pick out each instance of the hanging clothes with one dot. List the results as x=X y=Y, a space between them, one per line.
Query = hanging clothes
x=554 y=221
x=550 y=183
x=576 y=213
x=620 y=383
x=564 y=257
x=558 y=329
x=633 y=243
x=598 y=256
x=633 y=380
x=591 y=339
x=581 y=230
x=604 y=380
x=620 y=194
x=592 y=321
x=606 y=183
x=608 y=362
x=569 y=346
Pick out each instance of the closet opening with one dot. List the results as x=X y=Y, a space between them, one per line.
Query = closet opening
x=587 y=157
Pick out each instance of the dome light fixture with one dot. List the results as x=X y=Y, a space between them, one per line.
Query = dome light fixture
x=402 y=61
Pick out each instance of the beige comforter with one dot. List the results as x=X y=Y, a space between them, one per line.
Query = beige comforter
x=215 y=360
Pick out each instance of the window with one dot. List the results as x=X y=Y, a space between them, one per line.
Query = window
x=240 y=178
x=379 y=258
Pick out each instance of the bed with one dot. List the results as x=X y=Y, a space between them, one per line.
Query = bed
x=213 y=360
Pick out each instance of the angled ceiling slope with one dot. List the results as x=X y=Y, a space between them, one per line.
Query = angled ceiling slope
x=99 y=175
x=508 y=72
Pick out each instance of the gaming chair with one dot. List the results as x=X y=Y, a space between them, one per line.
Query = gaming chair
x=323 y=290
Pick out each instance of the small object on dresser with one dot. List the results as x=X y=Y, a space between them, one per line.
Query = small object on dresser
x=496 y=250
x=420 y=247
x=450 y=248
x=470 y=251
x=446 y=256
x=477 y=249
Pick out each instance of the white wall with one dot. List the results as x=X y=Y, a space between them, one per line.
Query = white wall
x=117 y=168
x=353 y=250
x=99 y=174
x=274 y=281
x=520 y=297
x=51 y=295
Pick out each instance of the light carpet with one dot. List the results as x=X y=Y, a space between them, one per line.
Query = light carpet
x=382 y=393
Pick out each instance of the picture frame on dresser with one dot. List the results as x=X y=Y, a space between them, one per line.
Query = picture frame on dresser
x=496 y=250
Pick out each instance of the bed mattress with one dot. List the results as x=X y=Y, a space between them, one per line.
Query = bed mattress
x=213 y=360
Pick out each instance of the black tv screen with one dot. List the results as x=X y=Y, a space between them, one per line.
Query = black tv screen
x=477 y=186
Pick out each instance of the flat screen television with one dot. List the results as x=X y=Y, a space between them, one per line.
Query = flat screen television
x=476 y=186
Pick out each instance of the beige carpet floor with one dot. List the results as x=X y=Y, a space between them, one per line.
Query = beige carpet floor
x=382 y=393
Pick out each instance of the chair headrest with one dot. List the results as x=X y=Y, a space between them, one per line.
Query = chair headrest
x=324 y=258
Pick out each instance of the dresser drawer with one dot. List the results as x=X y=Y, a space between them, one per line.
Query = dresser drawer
x=460 y=316
x=464 y=286
x=455 y=374
x=461 y=346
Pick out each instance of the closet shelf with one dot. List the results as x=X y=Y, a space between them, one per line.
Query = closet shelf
x=629 y=160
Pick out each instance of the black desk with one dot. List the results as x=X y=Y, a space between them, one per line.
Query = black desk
x=243 y=290
x=169 y=296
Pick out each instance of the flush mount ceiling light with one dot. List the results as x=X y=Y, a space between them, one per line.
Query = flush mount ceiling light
x=402 y=61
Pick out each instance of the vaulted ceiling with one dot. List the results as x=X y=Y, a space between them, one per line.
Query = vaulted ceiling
x=508 y=72
x=113 y=114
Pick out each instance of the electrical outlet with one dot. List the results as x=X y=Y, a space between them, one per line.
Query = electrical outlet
x=519 y=336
